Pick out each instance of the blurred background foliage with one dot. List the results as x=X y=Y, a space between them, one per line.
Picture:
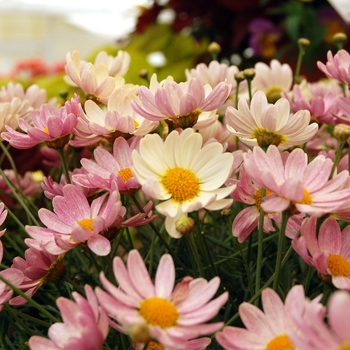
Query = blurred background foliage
x=173 y=35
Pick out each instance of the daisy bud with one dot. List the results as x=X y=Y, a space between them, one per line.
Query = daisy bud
x=214 y=48
x=342 y=132
x=185 y=225
x=226 y=212
x=239 y=77
x=303 y=42
x=139 y=333
x=143 y=73
x=249 y=73
x=340 y=38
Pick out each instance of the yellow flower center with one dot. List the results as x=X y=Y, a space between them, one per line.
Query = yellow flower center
x=344 y=346
x=125 y=174
x=88 y=224
x=266 y=138
x=338 y=265
x=306 y=198
x=181 y=183
x=273 y=94
x=136 y=124
x=281 y=342
x=257 y=196
x=46 y=130
x=55 y=272
x=159 y=312
x=155 y=346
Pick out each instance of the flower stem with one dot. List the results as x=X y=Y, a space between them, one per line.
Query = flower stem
x=164 y=242
x=337 y=157
x=257 y=294
x=260 y=244
x=30 y=300
x=64 y=164
x=281 y=238
x=192 y=249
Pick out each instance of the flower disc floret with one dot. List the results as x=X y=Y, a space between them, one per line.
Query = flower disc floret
x=159 y=312
x=182 y=184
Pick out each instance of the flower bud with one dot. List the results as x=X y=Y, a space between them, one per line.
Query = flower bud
x=249 y=73
x=184 y=225
x=303 y=42
x=342 y=132
x=340 y=38
x=214 y=48
x=239 y=77
x=140 y=333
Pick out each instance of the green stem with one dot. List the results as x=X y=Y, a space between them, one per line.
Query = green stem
x=260 y=244
x=29 y=300
x=64 y=164
x=281 y=238
x=270 y=280
x=161 y=238
x=18 y=198
x=192 y=247
x=337 y=157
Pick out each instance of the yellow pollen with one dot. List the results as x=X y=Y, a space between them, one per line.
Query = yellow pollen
x=257 y=196
x=125 y=174
x=88 y=224
x=136 y=124
x=181 y=183
x=46 y=130
x=273 y=94
x=265 y=138
x=338 y=265
x=155 y=346
x=344 y=346
x=306 y=198
x=159 y=312
x=281 y=342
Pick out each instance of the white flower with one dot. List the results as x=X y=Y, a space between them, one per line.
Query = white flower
x=183 y=174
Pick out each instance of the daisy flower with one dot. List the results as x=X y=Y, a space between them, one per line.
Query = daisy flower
x=182 y=173
x=315 y=334
x=38 y=267
x=181 y=104
x=337 y=67
x=248 y=218
x=172 y=313
x=328 y=252
x=294 y=182
x=270 y=329
x=267 y=124
x=107 y=168
x=49 y=126
x=273 y=80
x=75 y=221
x=93 y=79
x=84 y=327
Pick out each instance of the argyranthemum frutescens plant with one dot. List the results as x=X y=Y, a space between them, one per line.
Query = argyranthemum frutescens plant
x=198 y=214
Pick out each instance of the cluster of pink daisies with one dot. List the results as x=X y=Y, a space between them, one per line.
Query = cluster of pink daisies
x=157 y=195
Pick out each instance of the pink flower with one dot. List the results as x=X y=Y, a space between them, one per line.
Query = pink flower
x=321 y=107
x=270 y=329
x=293 y=181
x=181 y=104
x=93 y=79
x=248 y=218
x=107 y=168
x=173 y=314
x=337 y=67
x=49 y=126
x=74 y=221
x=273 y=80
x=315 y=334
x=38 y=267
x=85 y=325
x=328 y=252
x=266 y=124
